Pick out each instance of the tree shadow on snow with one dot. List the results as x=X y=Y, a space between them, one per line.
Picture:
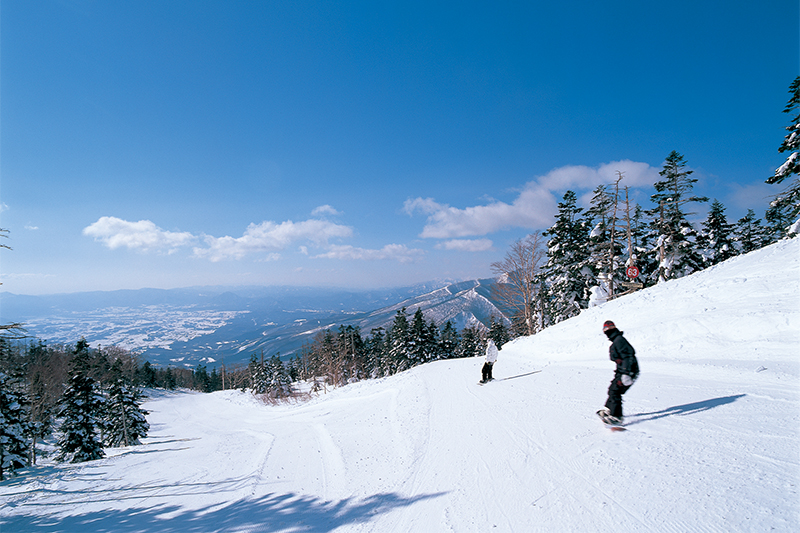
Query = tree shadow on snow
x=686 y=409
x=270 y=513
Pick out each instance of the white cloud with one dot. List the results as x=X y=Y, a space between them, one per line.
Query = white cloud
x=271 y=237
x=325 y=210
x=31 y=228
x=267 y=237
x=143 y=235
x=582 y=177
x=466 y=245
x=532 y=209
x=393 y=252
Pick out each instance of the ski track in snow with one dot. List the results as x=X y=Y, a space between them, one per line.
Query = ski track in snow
x=712 y=445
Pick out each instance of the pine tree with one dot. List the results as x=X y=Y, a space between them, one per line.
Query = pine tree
x=748 y=234
x=41 y=410
x=605 y=241
x=13 y=428
x=786 y=205
x=672 y=233
x=126 y=421
x=449 y=341
x=376 y=353
x=81 y=409
x=435 y=352
x=279 y=385
x=295 y=368
x=350 y=347
x=41 y=380
x=399 y=349
x=567 y=276
x=201 y=379
x=330 y=363
x=716 y=238
x=258 y=374
x=471 y=342
x=641 y=255
x=146 y=375
x=601 y=216
x=498 y=332
x=214 y=380
x=169 y=382
x=777 y=220
x=421 y=341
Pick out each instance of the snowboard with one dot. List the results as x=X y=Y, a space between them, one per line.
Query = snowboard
x=484 y=382
x=613 y=426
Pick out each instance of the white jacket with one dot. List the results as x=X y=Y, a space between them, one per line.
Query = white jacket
x=491 y=352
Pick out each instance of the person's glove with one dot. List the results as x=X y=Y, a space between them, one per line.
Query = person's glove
x=626 y=380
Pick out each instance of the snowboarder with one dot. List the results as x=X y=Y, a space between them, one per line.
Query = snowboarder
x=622 y=353
x=491 y=357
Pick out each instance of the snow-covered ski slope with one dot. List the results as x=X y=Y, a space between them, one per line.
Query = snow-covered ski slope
x=713 y=441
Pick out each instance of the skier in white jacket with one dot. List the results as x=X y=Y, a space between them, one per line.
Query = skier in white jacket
x=491 y=357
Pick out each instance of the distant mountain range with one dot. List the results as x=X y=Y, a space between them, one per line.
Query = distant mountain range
x=210 y=324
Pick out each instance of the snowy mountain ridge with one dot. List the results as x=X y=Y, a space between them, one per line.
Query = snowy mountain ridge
x=713 y=426
x=186 y=326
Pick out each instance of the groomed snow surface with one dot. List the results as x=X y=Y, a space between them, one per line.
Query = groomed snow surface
x=713 y=440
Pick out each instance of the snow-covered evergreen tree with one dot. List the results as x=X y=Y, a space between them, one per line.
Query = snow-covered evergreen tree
x=567 y=275
x=605 y=241
x=293 y=368
x=398 y=356
x=498 y=331
x=279 y=385
x=13 y=428
x=126 y=421
x=433 y=338
x=421 y=341
x=81 y=411
x=642 y=256
x=376 y=353
x=449 y=341
x=146 y=376
x=787 y=203
x=258 y=374
x=778 y=222
x=471 y=342
x=672 y=233
x=716 y=238
x=748 y=234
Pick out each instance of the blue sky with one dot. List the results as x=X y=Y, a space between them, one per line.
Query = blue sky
x=360 y=144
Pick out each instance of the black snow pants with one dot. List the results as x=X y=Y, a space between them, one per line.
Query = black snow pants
x=486 y=372
x=615 y=392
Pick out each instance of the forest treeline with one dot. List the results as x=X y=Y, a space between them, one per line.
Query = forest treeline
x=79 y=398
x=589 y=256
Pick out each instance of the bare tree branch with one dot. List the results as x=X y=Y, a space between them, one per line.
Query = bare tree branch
x=517 y=286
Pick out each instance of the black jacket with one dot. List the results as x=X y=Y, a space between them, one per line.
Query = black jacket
x=622 y=353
